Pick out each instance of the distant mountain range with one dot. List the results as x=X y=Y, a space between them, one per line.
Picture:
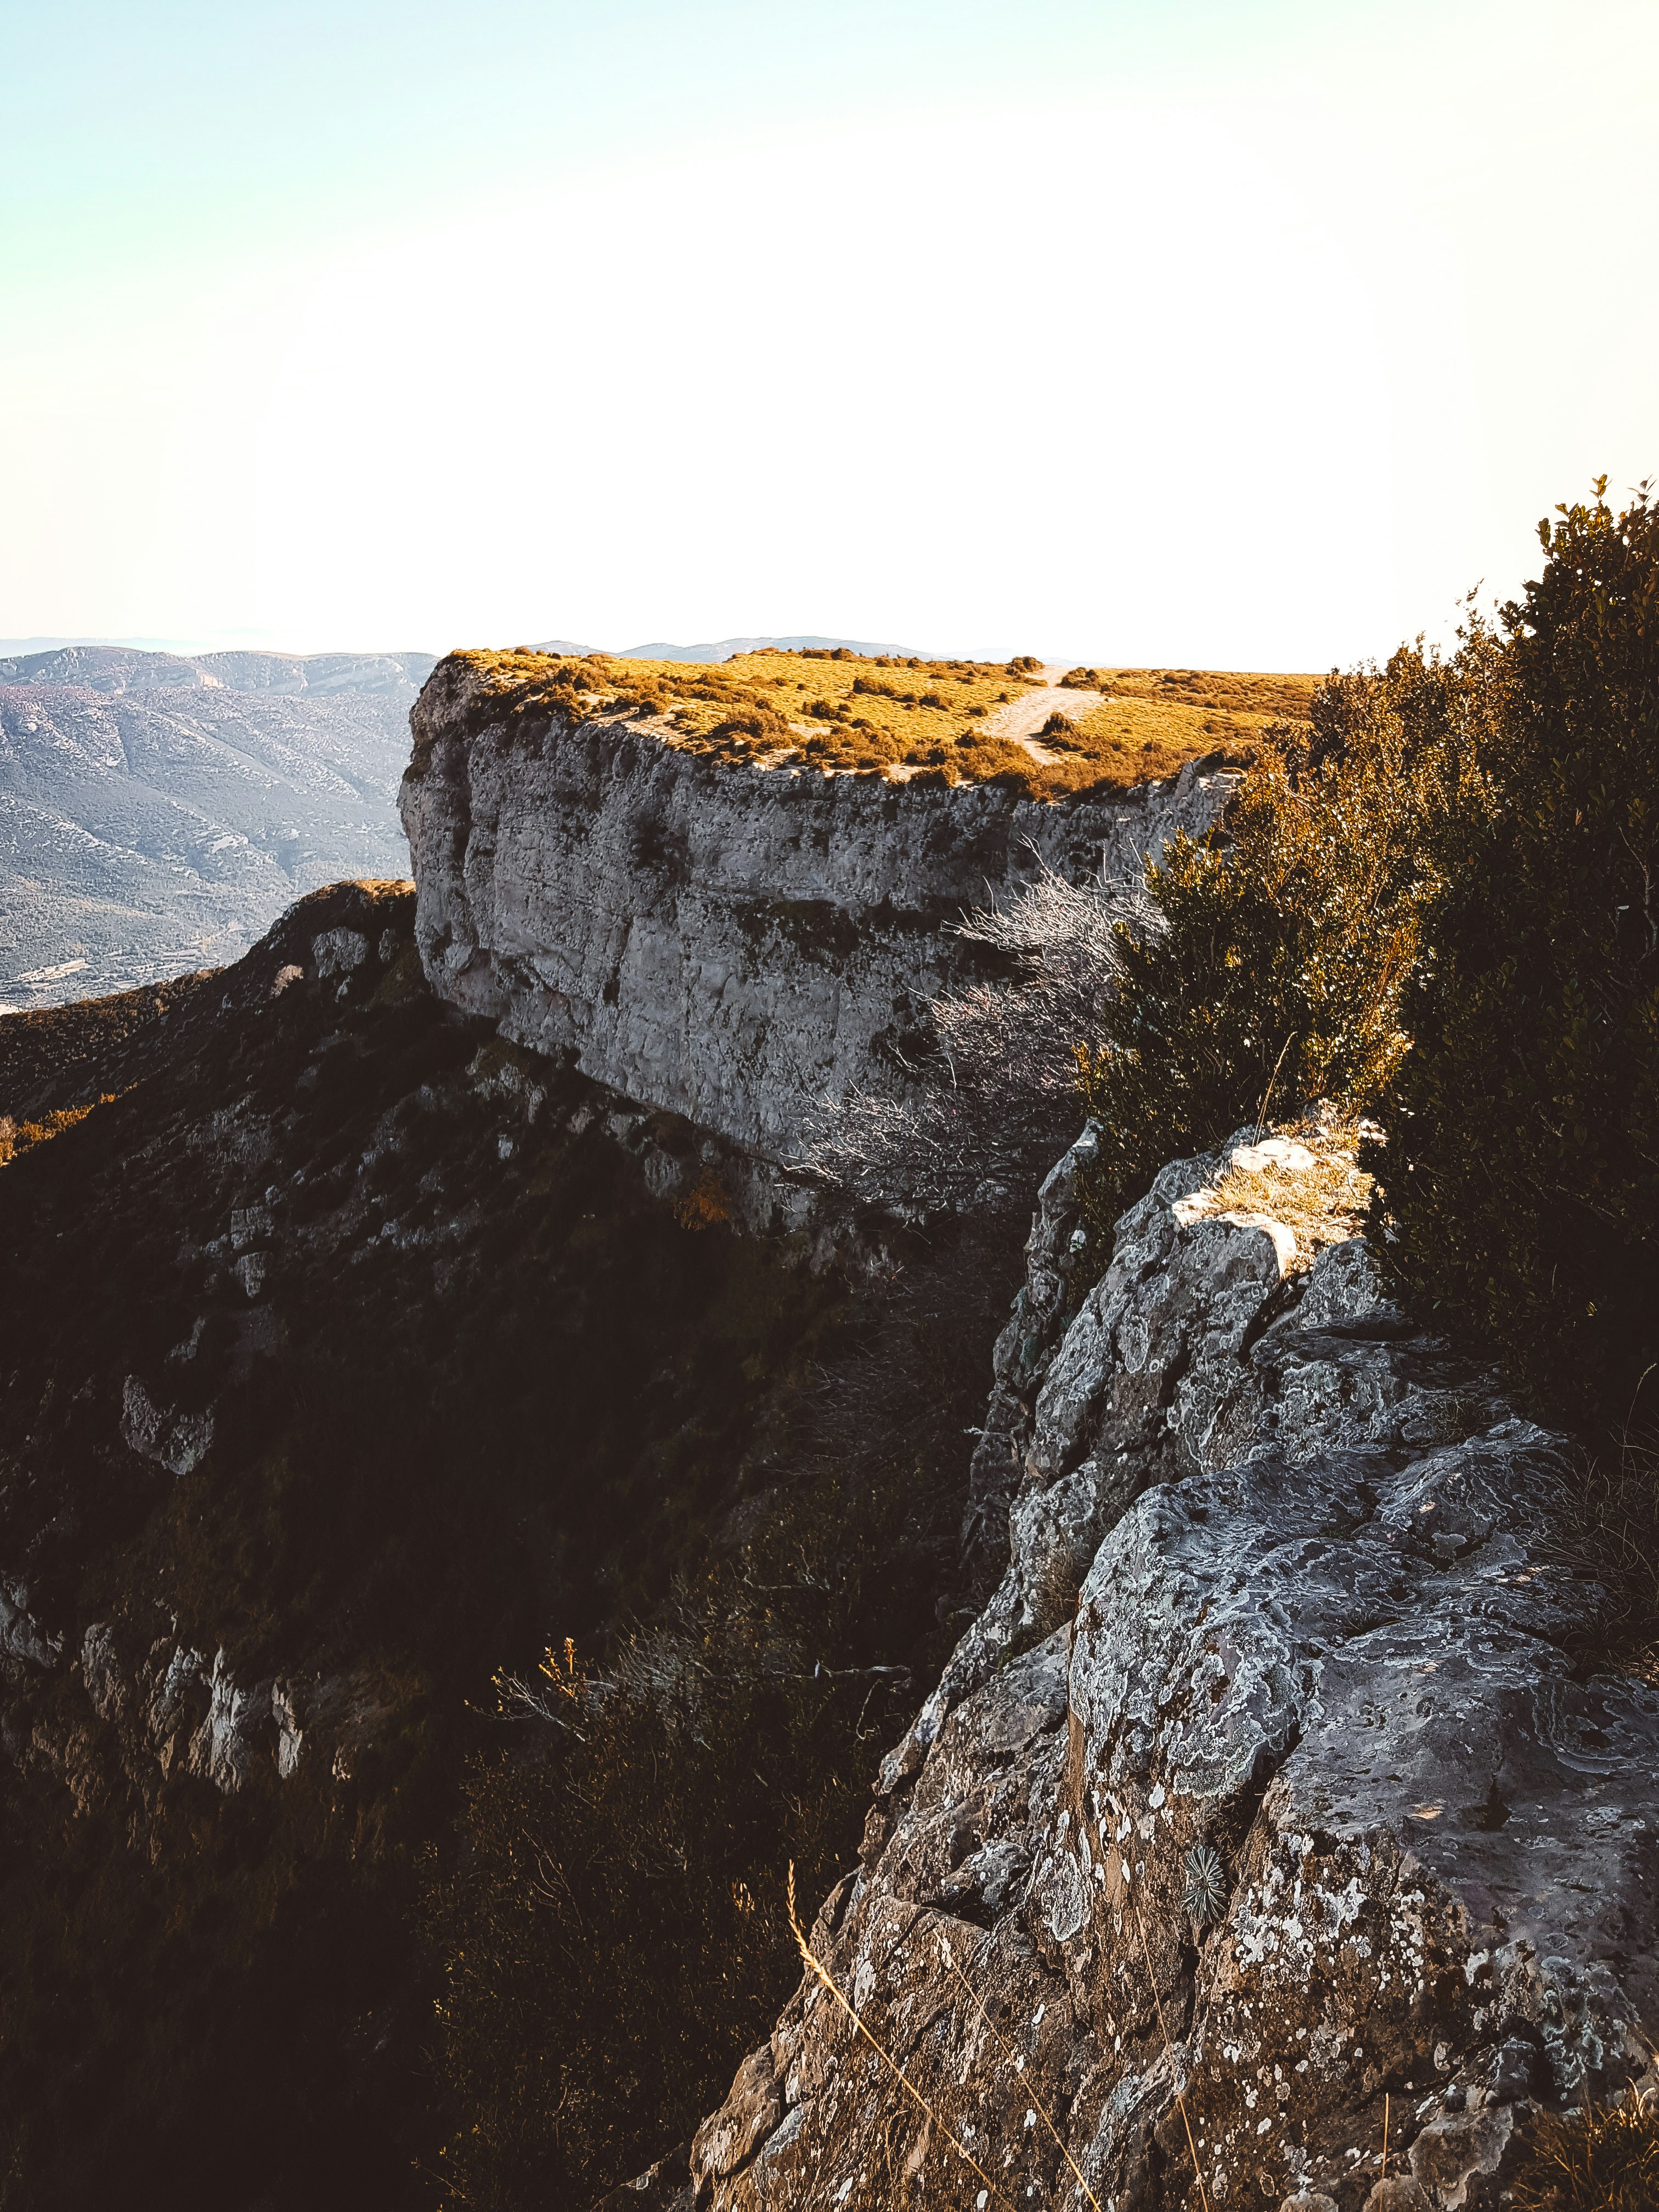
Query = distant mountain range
x=159 y=811
x=723 y=649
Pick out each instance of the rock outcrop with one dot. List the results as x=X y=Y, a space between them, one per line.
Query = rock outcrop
x=732 y=943
x=1274 y=1782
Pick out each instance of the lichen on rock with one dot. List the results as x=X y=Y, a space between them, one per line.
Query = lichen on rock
x=1280 y=1604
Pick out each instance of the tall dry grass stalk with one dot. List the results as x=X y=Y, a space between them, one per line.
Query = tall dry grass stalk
x=821 y=1974
x=1162 y=2029
x=1007 y=2052
x=826 y=1982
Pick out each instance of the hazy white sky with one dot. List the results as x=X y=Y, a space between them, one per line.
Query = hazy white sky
x=1246 y=335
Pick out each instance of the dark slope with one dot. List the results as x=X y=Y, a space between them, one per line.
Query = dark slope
x=346 y=1358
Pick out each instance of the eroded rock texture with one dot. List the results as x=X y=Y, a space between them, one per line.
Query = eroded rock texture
x=732 y=943
x=1270 y=1783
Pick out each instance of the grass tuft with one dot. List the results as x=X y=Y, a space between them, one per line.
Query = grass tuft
x=1321 y=1205
x=1603 y=2158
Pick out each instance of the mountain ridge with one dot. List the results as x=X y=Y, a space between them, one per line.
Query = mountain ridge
x=159 y=811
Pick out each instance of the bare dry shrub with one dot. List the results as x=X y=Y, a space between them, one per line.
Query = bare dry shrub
x=995 y=1100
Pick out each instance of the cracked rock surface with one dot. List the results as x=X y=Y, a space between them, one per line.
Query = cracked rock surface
x=731 y=943
x=1271 y=1780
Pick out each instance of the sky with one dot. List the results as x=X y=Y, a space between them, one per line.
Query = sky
x=1224 y=333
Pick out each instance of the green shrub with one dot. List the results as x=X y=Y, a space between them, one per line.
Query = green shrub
x=614 y=1938
x=1268 y=972
x=1522 y=1167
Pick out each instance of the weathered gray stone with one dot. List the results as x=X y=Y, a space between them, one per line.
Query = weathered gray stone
x=1399 y=2193
x=21 y=1635
x=734 y=943
x=1280 y=1610
x=339 y=951
x=178 y=1442
x=102 y=1671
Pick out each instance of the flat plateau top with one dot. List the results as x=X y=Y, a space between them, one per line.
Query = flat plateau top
x=1050 y=730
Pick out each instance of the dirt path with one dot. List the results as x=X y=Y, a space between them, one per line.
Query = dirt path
x=1022 y=718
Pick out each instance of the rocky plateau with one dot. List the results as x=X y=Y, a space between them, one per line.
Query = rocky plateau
x=733 y=944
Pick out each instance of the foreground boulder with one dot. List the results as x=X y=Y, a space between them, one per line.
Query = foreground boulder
x=1271 y=1799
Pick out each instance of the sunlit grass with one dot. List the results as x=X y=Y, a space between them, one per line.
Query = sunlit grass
x=20 y=1137
x=844 y=713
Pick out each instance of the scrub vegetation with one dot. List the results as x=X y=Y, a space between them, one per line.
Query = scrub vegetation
x=1440 y=908
x=845 y=713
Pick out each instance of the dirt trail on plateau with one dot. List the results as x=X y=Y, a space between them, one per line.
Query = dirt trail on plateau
x=1022 y=718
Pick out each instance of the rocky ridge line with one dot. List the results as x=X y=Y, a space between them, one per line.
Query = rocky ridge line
x=1282 y=1712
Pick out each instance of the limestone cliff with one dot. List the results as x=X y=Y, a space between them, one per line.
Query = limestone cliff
x=1273 y=1778
x=731 y=942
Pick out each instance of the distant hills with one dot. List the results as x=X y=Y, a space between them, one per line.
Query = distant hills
x=159 y=811
x=723 y=649
x=117 y=668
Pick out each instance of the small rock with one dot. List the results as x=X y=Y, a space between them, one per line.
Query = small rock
x=1449 y=2153
x=21 y=1635
x=178 y=1442
x=337 y=952
x=1399 y=2193
x=249 y=1225
x=752 y=2108
x=1513 y=2071
x=101 y=1670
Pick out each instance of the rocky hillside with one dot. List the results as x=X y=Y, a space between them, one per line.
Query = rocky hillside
x=157 y=813
x=1273 y=1806
x=377 y=1317
x=350 y=1353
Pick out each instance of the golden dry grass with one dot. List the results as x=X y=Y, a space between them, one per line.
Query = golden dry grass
x=850 y=713
x=1603 y=2158
x=19 y=1137
x=1322 y=1205
x=1230 y=692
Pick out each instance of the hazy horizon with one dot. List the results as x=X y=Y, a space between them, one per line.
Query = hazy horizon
x=1246 y=336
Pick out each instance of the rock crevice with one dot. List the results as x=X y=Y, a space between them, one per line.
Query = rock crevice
x=1279 y=1721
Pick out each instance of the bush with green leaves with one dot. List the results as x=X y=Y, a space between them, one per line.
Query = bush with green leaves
x=613 y=1938
x=1519 y=1186
x=1270 y=972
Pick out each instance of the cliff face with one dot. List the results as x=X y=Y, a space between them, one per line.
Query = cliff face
x=731 y=943
x=1273 y=1778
